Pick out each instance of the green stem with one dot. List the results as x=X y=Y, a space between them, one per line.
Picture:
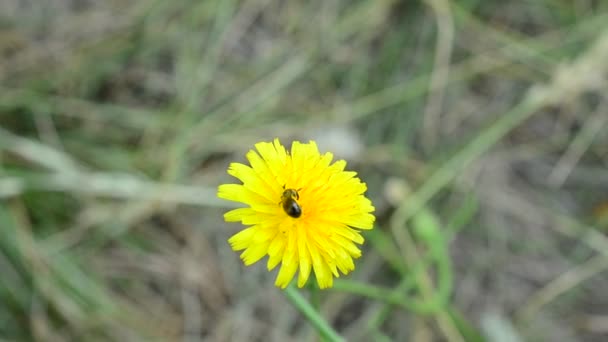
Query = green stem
x=315 y=296
x=312 y=315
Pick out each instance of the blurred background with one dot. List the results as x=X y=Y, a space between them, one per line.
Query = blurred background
x=479 y=127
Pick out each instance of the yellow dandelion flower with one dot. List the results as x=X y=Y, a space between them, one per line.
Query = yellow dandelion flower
x=303 y=211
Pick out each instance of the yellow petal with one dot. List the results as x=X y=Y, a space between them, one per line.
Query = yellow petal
x=331 y=264
x=263 y=234
x=238 y=193
x=348 y=245
x=289 y=264
x=264 y=172
x=345 y=262
x=322 y=273
x=286 y=273
x=338 y=166
x=247 y=216
x=304 y=257
x=315 y=177
x=277 y=246
x=274 y=155
x=275 y=251
x=242 y=239
x=273 y=261
x=254 y=253
x=363 y=221
x=323 y=243
x=252 y=181
x=348 y=233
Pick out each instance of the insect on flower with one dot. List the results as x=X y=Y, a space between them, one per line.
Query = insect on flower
x=289 y=202
x=301 y=210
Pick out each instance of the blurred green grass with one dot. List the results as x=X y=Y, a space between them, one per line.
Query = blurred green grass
x=482 y=120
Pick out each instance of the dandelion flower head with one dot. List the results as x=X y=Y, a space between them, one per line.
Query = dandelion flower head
x=301 y=210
